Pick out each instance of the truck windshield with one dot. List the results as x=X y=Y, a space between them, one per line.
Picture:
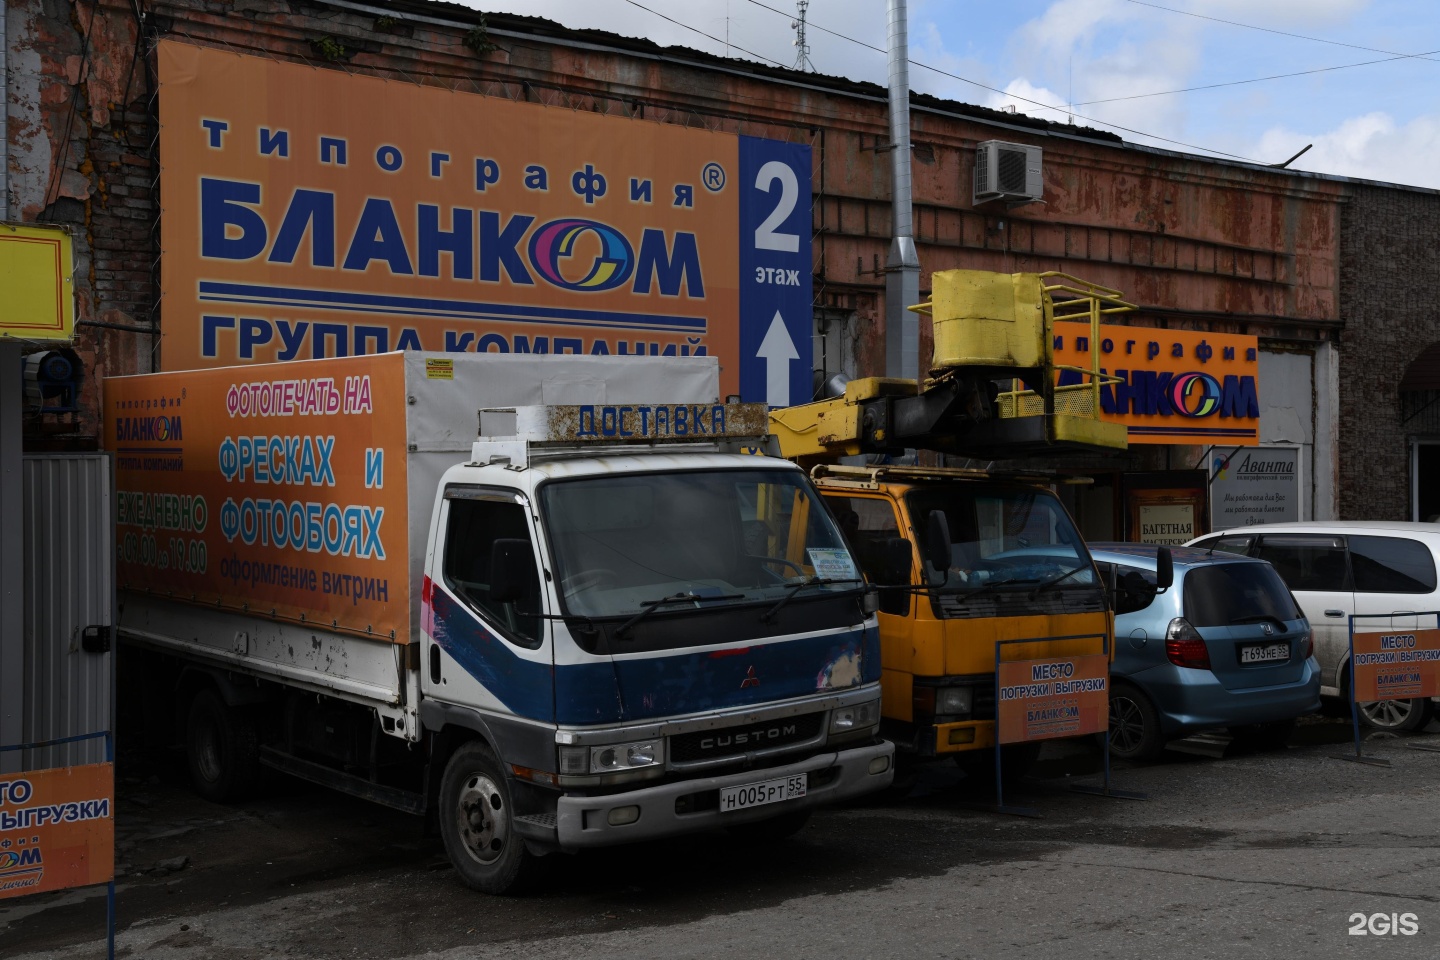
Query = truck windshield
x=1004 y=539
x=620 y=544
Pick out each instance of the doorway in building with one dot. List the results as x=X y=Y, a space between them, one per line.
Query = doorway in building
x=1425 y=480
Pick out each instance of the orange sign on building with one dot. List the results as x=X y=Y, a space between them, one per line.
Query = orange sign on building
x=1396 y=664
x=1177 y=386
x=1054 y=697
x=300 y=227
x=57 y=829
x=280 y=490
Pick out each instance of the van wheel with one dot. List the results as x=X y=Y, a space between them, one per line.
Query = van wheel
x=477 y=823
x=772 y=830
x=222 y=749
x=1134 y=725
x=1396 y=714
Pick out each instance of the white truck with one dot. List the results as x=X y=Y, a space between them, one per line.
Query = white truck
x=598 y=622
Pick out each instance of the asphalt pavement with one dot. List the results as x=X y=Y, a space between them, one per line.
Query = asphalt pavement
x=1233 y=855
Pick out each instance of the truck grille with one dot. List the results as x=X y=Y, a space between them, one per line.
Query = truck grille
x=745 y=738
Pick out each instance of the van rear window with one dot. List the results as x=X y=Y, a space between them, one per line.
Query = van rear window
x=1391 y=565
x=1224 y=594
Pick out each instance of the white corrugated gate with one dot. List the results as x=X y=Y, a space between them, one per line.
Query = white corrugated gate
x=67 y=681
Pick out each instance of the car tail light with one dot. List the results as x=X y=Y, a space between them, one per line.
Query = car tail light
x=1309 y=645
x=1185 y=647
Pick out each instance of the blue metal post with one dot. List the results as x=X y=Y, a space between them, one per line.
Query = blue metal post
x=999 y=780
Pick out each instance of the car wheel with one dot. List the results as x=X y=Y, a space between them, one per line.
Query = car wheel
x=1134 y=725
x=1264 y=736
x=477 y=823
x=1396 y=714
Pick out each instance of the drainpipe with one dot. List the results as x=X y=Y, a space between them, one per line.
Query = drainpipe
x=902 y=266
x=4 y=113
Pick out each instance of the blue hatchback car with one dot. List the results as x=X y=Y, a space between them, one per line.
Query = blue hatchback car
x=1225 y=646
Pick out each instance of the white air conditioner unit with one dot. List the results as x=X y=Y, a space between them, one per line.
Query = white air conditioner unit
x=1008 y=171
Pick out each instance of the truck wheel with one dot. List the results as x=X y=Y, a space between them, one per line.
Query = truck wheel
x=1134 y=725
x=478 y=827
x=1016 y=759
x=1396 y=714
x=222 y=749
x=772 y=830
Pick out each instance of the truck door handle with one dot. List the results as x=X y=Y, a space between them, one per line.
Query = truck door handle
x=1334 y=613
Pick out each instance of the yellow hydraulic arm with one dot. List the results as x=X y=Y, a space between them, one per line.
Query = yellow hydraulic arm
x=991 y=391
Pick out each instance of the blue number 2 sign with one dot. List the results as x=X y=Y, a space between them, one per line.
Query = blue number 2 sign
x=775 y=272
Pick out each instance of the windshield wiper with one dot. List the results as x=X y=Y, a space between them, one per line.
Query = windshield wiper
x=965 y=596
x=648 y=607
x=1066 y=575
x=769 y=615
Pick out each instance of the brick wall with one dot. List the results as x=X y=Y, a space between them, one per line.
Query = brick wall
x=1389 y=279
x=1204 y=245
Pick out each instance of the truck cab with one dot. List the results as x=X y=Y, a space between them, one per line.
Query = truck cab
x=624 y=647
x=1016 y=567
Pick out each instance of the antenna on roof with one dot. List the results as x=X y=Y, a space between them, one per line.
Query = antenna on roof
x=802 y=49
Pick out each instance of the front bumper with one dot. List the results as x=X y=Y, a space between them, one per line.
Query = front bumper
x=834 y=775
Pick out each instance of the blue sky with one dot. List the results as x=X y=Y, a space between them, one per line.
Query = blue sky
x=1380 y=122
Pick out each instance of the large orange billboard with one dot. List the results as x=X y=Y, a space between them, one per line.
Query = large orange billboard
x=1177 y=386
x=278 y=490
x=310 y=213
x=57 y=829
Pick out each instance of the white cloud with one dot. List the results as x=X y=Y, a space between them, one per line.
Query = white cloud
x=1372 y=146
x=1277 y=14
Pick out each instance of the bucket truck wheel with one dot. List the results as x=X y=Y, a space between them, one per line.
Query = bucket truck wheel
x=222 y=749
x=1016 y=759
x=477 y=823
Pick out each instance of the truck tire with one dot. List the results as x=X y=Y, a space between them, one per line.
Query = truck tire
x=478 y=827
x=1016 y=759
x=222 y=749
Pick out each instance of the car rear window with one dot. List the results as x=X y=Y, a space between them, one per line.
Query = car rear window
x=1223 y=594
x=1391 y=565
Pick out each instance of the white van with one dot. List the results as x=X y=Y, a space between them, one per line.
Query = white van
x=1338 y=568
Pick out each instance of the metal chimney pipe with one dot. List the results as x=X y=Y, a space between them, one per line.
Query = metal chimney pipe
x=902 y=265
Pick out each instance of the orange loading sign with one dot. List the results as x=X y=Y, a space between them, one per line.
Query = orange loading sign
x=57 y=829
x=1055 y=697
x=1397 y=665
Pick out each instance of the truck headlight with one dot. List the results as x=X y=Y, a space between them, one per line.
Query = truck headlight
x=954 y=700
x=855 y=717
x=615 y=757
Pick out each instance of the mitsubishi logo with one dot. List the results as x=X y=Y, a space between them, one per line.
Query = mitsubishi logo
x=750 y=679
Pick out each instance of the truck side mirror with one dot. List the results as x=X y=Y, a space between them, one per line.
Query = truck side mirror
x=937 y=542
x=512 y=570
x=1164 y=569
